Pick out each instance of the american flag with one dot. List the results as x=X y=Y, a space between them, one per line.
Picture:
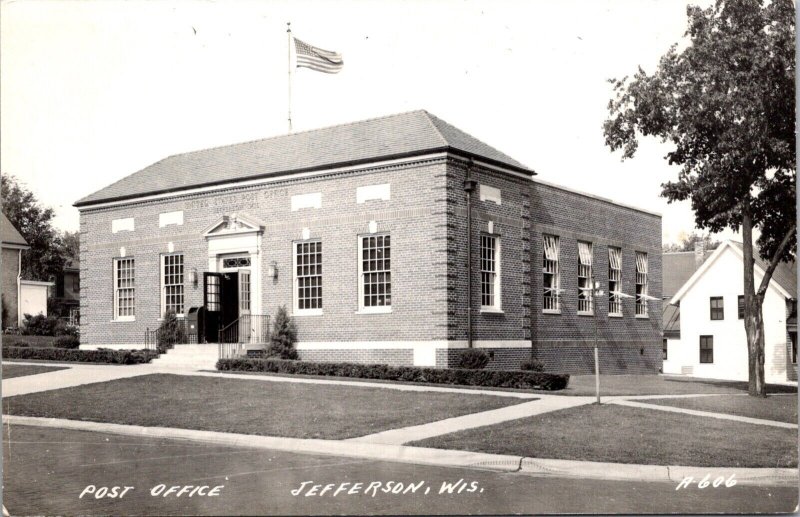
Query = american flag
x=317 y=59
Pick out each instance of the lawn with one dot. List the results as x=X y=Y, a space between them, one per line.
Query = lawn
x=782 y=408
x=32 y=341
x=658 y=385
x=618 y=434
x=22 y=370
x=250 y=407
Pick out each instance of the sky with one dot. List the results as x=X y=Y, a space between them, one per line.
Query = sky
x=92 y=91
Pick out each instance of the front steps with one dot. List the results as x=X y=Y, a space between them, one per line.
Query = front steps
x=193 y=357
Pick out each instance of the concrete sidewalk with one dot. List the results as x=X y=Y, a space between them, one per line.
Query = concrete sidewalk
x=707 y=414
x=471 y=421
x=74 y=375
x=438 y=457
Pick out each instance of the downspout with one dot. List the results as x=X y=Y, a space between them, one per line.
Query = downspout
x=469 y=187
x=19 y=288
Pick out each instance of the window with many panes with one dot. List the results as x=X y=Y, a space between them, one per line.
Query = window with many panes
x=308 y=276
x=551 y=292
x=717 y=308
x=585 y=277
x=124 y=290
x=706 y=349
x=375 y=273
x=614 y=281
x=740 y=306
x=641 y=283
x=490 y=272
x=172 y=283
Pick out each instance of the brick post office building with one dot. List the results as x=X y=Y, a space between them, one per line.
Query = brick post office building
x=362 y=231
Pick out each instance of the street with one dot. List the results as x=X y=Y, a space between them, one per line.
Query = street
x=52 y=471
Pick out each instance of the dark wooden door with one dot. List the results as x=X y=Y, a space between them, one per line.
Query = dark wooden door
x=212 y=300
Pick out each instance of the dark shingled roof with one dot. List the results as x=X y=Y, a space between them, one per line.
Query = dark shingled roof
x=394 y=136
x=9 y=234
x=676 y=269
x=785 y=274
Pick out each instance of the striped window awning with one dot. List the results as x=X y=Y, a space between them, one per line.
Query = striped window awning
x=550 y=247
x=641 y=262
x=585 y=253
x=615 y=258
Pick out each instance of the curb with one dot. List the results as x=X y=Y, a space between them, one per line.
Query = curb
x=435 y=457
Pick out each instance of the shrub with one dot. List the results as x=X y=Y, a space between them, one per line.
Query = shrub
x=102 y=355
x=486 y=378
x=473 y=359
x=532 y=364
x=39 y=325
x=170 y=331
x=65 y=329
x=66 y=342
x=284 y=336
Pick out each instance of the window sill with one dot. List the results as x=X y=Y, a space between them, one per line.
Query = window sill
x=615 y=315
x=307 y=312
x=123 y=320
x=491 y=310
x=372 y=310
x=551 y=311
x=178 y=316
x=642 y=316
x=585 y=313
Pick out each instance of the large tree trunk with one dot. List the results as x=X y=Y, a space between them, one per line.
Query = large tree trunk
x=753 y=318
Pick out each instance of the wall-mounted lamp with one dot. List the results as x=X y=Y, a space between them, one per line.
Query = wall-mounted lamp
x=194 y=276
x=272 y=272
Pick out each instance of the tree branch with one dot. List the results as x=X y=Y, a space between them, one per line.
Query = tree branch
x=776 y=258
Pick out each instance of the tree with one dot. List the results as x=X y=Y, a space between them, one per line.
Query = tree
x=45 y=258
x=284 y=336
x=726 y=105
x=72 y=245
x=688 y=243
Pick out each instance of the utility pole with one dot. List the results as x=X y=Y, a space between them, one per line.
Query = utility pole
x=596 y=293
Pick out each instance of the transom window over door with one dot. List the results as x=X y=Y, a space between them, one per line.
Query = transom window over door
x=490 y=272
x=124 y=290
x=308 y=276
x=551 y=293
x=172 y=283
x=235 y=262
x=614 y=281
x=585 y=277
x=375 y=273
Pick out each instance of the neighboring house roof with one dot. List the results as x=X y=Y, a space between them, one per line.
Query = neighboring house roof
x=784 y=281
x=785 y=274
x=392 y=137
x=677 y=268
x=671 y=321
x=72 y=264
x=9 y=234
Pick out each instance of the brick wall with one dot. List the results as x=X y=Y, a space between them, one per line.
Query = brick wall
x=10 y=270
x=410 y=217
x=564 y=342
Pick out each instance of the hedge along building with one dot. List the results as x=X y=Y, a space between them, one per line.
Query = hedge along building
x=361 y=230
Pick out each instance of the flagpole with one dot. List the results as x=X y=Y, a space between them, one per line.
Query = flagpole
x=289 y=68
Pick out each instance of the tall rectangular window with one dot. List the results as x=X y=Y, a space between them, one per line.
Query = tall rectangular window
x=308 y=276
x=641 y=283
x=551 y=292
x=490 y=272
x=706 y=349
x=664 y=349
x=124 y=290
x=375 y=273
x=585 y=256
x=793 y=338
x=717 y=308
x=614 y=281
x=740 y=306
x=172 y=283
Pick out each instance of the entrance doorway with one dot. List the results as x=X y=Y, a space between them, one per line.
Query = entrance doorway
x=221 y=300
